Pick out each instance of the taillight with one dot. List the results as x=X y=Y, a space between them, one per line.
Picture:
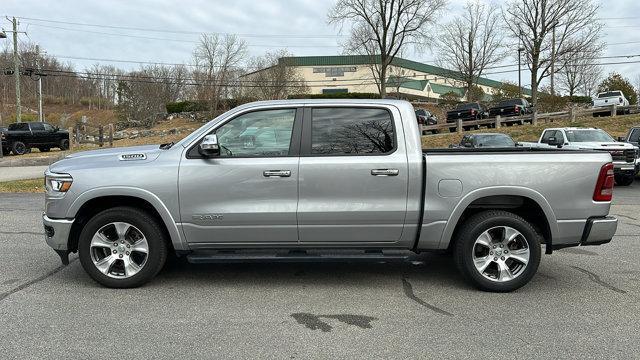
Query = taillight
x=516 y=109
x=604 y=186
x=473 y=111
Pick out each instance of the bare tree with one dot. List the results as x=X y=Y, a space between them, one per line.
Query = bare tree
x=579 y=75
x=590 y=78
x=472 y=42
x=216 y=58
x=381 y=28
x=533 y=22
x=275 y=79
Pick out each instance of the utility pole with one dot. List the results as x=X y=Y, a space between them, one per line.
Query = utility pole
x=16 y=69
x=553 y=57
x=40 y=114
x=520 y=50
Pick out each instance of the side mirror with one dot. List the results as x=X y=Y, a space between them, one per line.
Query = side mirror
x=209 y=146
x=555 y=142
x=621 y=139
x=56 y=129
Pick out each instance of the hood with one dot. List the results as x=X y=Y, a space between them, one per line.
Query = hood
x=107 y=158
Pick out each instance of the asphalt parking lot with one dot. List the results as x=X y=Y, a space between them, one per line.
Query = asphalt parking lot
x=584 y=303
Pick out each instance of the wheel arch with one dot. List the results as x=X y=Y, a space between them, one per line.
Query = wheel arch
x=526 y=202
x=94 y=201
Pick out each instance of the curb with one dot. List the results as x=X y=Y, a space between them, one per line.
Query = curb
x=11 y=161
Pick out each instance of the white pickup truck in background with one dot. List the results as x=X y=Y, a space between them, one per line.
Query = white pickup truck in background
x=624 y=155
x=606 y=99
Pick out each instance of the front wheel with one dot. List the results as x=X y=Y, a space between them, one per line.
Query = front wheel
x=624 y=180
x=497 y=251
x=122 y=247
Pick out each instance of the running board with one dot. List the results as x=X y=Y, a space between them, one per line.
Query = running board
x=242 y=256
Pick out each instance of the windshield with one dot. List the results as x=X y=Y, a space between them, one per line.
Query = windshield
x=494 y=141
x=511 y=102
x=609 y=94
x=468 y=106
x=595 y=135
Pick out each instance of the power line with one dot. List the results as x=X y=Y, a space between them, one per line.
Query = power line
x=175 y=40
x=182 y=31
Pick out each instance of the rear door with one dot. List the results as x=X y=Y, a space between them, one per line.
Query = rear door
x=353 y=176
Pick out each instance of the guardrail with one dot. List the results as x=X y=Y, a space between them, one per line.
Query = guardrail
x=499 y=121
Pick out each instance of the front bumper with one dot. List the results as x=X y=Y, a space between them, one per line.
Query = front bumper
x=625 y=168
x=57 y=232
x=599 y=230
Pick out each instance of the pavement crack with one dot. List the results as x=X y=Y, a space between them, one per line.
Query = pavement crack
x=408 y=291
x=625 y=216
x=596 y=279
x=34 y=281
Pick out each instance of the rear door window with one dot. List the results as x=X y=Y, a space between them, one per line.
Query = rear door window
x=37 y=127
x=351 y=131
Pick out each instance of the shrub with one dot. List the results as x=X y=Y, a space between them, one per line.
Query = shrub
x=186 y=106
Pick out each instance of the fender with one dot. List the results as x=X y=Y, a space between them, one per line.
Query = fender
x=158 y=205
x=474 y=195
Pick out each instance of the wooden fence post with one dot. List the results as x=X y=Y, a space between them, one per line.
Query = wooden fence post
x=614 y=110
x=459 y=126
x=100 y=135
x=572 y=114
x=497 y=121
x=72 y=139
x=111 y=135
x=534 y=118
x=78 y=134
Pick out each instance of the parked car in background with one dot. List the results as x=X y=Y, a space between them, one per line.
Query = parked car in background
x=467 y=112
x=486 y=140
x=633 y=138
x=605 y=99
x=425 y=117
x=624 y=155
x=343 y=180
x=511 y=108
x=21 y=137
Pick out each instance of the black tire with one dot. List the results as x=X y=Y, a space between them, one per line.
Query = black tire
x=624 y=180
x=64 y=144
x=146 y=224
x=19 y=148
x=477 y=224
x=44 y=149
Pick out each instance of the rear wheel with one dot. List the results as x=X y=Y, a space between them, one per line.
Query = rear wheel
x=497 y=251
x=122 y=247
x=19 y=148
x=64 y=144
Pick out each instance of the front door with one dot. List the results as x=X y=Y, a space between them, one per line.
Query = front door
x=353 y=176
x=248 y=194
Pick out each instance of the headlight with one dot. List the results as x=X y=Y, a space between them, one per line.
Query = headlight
x=58 y=183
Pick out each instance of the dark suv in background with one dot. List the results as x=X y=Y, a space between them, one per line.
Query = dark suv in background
x=20 y=138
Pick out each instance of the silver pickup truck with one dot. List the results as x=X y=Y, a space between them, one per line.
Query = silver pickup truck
x=321 y=180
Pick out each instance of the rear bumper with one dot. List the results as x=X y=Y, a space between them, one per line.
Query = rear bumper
x=57 y=232
x=599 y=230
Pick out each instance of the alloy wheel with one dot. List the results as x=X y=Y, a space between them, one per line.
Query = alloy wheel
x=501 y=254
x=119 y=250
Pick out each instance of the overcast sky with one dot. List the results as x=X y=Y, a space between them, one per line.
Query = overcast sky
x=263 y=24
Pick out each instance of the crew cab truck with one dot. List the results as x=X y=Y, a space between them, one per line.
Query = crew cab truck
x=20 y=138
x=467 y=112
x=606 y=99
x=624 y=155
x=320 y=180
x=511 y=108
x=633 y=138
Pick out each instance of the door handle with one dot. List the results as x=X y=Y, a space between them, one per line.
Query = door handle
x=384 y=172
x=276 y=173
